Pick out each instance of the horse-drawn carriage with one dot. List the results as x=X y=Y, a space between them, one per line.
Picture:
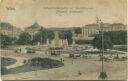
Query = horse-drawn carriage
x=115 y=58
x=75 y=55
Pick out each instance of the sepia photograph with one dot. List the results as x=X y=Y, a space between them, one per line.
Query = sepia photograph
x=63 y=40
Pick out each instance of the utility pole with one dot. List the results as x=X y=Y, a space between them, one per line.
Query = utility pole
x=103 y=74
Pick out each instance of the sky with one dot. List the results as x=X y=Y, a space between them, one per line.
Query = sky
x=62 y=13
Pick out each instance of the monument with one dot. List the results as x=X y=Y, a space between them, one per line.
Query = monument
x=56 y=43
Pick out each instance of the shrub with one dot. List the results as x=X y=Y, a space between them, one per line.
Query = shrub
x=4 y=70
x=7 y=61
x=45 y=62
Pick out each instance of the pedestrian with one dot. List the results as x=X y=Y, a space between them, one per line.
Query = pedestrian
x=79 y=73
x=19 y=50
x=72 y=61
x=24 y=61
x=117 y=56
x=63 y=59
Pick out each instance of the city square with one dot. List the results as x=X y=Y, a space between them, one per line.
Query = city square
x=63 y=40
x=59 y=59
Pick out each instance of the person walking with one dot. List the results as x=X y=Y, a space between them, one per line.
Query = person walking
x=24 y=61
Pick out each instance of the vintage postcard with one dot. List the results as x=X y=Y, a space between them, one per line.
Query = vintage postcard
x=63 y=40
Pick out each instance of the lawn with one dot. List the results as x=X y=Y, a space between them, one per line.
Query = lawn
x=7 y=61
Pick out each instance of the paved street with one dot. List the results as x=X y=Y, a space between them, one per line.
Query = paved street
x=90 y=69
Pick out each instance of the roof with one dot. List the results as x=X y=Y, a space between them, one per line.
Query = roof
x=34 y=26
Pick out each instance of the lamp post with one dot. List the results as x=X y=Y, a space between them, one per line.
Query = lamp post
x=103 y=74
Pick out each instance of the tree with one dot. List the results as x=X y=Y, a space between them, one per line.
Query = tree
x=40 y=37
x=117 y=37
x=50 y=35
x=97 y=42
x=43 y=35
x=78 y=30
x=66 y=34
x=14 y=40
x=5 y=40
x=24 y=39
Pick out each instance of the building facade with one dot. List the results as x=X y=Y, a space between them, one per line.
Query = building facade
x=9 y=30
x=89 y=31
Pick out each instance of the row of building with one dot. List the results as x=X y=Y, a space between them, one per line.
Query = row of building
x=13 y=31
x=10 y=30
x=89 y=31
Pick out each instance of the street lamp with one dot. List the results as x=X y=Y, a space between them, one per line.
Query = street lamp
x=103 y=74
